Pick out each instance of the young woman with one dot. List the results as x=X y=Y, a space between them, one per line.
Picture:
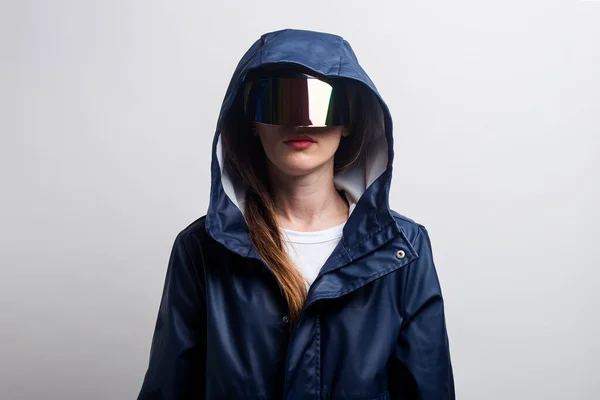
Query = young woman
x=301 y=282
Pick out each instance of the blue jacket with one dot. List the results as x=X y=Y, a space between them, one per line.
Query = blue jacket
x=373 y=325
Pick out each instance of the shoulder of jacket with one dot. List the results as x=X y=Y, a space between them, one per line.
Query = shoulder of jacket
x=195 y=231
x=411 y=229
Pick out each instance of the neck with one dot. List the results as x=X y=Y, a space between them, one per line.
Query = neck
x=308 y=202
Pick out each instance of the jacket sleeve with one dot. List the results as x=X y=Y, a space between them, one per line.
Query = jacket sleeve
x=176 y=367
x=424 y=370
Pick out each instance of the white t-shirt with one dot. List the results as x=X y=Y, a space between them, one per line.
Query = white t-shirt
x=310 y=250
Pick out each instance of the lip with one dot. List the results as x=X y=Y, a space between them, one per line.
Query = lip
x=300 y=138
x=300 y=145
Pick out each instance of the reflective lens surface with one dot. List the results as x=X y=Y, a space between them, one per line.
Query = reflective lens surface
x=299 y=101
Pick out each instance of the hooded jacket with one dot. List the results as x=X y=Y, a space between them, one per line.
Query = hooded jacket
x=373 y=324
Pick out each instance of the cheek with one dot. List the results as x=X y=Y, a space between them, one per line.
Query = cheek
x=267 y=141
x=330 y=144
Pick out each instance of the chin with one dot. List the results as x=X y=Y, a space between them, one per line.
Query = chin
x=298 y=164
x=298 y=168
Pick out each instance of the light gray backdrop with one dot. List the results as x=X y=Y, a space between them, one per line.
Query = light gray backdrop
x=107 y=111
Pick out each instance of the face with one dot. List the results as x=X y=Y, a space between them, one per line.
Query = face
x=296 y=150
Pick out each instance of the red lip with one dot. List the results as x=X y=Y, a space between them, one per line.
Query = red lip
x=300 y=138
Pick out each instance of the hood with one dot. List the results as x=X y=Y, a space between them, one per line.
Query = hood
x=366 y=186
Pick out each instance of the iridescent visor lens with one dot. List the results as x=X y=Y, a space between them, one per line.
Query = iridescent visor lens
x=298 y=101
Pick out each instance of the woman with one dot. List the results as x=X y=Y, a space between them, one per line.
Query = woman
x=301 y=282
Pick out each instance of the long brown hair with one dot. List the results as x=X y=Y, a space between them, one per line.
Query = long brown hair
x=247 y=163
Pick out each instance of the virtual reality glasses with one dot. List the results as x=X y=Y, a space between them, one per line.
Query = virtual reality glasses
x=296 y=99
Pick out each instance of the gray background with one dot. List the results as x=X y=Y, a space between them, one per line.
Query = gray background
x=107 y=111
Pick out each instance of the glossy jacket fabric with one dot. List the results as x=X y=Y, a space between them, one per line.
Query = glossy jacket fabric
x=373 y=325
